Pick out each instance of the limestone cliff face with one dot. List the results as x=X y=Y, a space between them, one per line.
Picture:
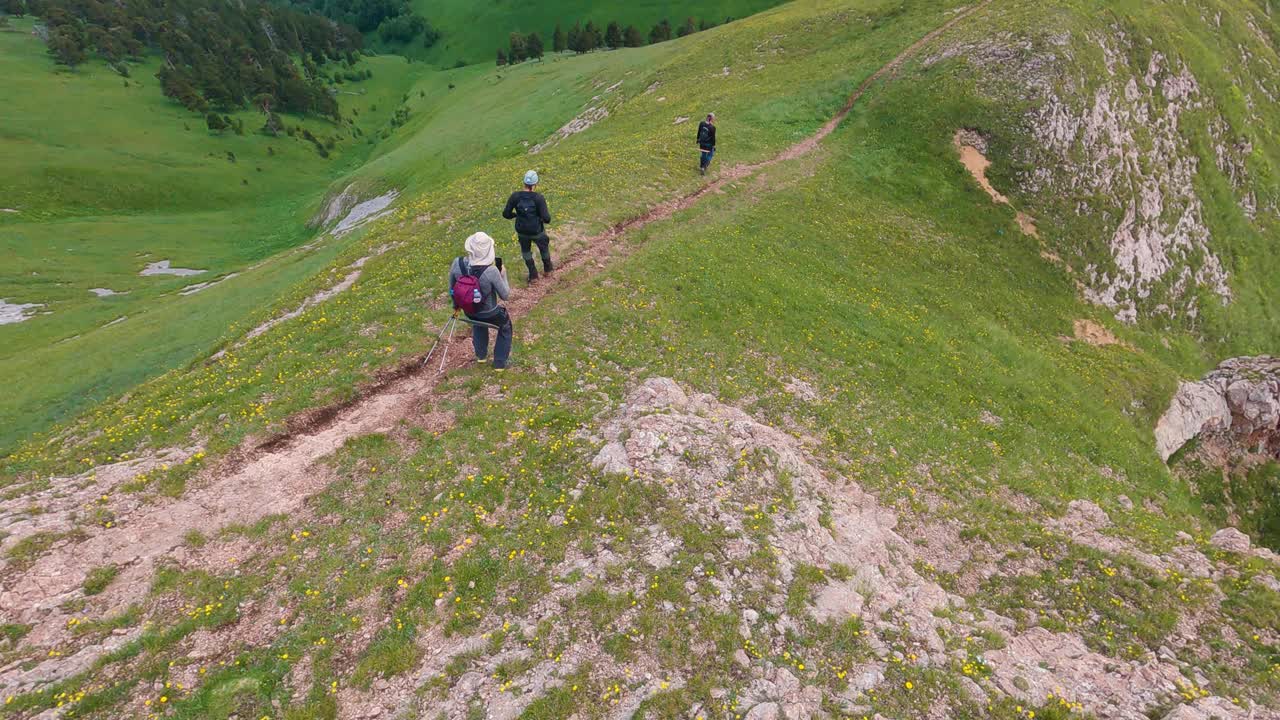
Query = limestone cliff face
x=1138 y=154
x=1234 y=411
x=1122 y=148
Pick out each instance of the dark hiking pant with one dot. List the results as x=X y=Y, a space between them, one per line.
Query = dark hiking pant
x=544 y=248
x=480 y=336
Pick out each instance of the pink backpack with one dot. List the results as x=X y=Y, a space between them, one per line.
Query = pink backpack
x=466 y=290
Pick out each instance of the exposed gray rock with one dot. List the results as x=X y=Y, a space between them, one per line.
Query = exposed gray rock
x=1195 y=407
x=612 y=460
x=1235 y=409
x=764 y=711
x=16 y=312
x=1039 y=662
x=164 y=267
x=1230 y=539
x=1212 y=708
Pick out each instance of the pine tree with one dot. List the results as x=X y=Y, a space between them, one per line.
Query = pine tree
x=575 y=38
x=631 y=37
x=533 y=46
x=559 y=43
x=67 y=45
x=660 y=32
x=590 y=37
x=502 y=57
x=215 y=122
x=613 y=36
x=690 y=27
x=519 y=51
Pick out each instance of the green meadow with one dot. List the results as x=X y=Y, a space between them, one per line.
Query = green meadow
x=874 y=269
x=473 y=31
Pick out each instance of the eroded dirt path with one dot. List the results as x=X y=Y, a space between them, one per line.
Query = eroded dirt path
x=278 y=475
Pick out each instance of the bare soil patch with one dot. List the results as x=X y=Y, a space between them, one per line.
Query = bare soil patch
x=1092 y=333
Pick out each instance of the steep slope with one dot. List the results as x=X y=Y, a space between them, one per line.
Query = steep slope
x=105 y=176
x=805 y=440
x=1146 y=140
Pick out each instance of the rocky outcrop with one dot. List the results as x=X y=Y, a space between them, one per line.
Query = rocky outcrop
x=1234 y=411
x=1124 y=148
x=1112 y=155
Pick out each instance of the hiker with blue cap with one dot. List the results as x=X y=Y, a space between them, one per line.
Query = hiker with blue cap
x=529 y=210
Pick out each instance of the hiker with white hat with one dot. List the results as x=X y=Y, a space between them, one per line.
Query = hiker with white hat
x=529 y=210
x=477 y=281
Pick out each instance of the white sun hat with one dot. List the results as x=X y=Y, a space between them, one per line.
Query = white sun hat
x=480 y=249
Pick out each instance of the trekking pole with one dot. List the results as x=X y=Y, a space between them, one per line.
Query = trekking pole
x=439 y=335
x=453 y=324
x=477 y=323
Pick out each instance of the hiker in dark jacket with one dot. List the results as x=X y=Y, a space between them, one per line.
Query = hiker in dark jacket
x=479 y=262
x=529 y=210
x=707 y=141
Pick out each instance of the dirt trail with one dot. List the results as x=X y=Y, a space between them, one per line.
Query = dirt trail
x=278 y=475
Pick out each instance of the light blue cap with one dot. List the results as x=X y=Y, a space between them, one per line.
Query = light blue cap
x=531 y=177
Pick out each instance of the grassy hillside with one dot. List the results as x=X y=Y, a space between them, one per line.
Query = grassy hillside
x=151 y=183
x=472 y=32
x=908 y=491
x=107 y=176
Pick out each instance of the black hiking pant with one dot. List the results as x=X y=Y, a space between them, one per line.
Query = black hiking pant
x=544 y=248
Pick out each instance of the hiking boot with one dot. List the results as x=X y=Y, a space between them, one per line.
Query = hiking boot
x=547 y=267
x=702 y=169
x=533 y=276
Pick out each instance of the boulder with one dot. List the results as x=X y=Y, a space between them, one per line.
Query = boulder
x=1195 y=407
x=1231 y=540
x=1236 y=406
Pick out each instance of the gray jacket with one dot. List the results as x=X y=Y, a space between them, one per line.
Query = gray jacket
x=492 y=285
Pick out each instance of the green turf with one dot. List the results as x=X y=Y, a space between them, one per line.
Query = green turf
x=875 y=268
x=472 y=32
x=151 y=183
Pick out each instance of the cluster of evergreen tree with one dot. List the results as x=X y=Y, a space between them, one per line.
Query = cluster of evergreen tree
x=217 y=55
x=585 y=38
x=520 y=48
x=393 y=20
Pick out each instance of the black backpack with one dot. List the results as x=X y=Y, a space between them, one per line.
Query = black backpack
x=528 y=220
x=704 y=134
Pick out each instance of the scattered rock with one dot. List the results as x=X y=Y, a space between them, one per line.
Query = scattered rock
x=1039 y=662
x=581 y=123
x=193 y=289
x=802 y=390
x=764 y=711
x=366 y=212
x=612 y=460
x=16 y=312
x=1211 y=708
x=163 y=267
x=1231 y=540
